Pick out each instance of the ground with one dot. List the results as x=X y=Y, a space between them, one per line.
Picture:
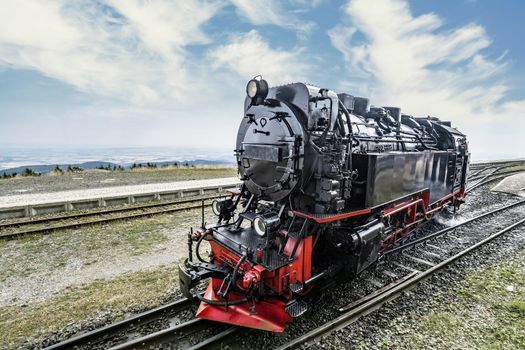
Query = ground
x=104 y=178
x=55 y=285
x=486 y=312
x=79 y=278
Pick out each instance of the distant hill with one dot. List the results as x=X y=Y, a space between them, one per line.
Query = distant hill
x=45 y=169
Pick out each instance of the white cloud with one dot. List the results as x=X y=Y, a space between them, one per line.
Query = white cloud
x=249 y=55
x=260 y=12
x=132 y=50
x=136 y=64
x=410 y=61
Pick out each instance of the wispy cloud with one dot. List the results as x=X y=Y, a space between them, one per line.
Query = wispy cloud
x=260 y=12
x=132 y=50
x=410 y=61
x=149 y=67
x=248 y=54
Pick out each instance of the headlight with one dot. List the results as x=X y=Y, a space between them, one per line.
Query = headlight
x=222 y=207
x=260 y=226
x=257 y=90
x=216 y=208
x=265 y=223
x=251 y=88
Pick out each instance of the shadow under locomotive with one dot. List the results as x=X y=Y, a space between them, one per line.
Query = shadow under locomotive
x=328 y=184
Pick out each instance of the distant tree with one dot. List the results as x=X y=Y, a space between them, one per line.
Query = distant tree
x=187 y=164
x=58 y=170
x=29 y=172
x=176 y=165
x=114 y=167
x=74 y=169
x=120 y=168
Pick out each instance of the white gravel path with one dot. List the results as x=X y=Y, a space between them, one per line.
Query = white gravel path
x=514 y=184
x=106 y=192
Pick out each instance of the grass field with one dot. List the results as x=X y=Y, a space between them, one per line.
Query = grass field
x=77 y=277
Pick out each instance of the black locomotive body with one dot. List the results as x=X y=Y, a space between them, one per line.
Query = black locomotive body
x=328 y=184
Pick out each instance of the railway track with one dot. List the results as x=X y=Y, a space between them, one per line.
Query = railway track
x=417 y=269
x=124 y=335
x=126 y=326
x=491 y=177
x=17 y=228
x=213 y=335
x=181 y=331
x=477 y=175
x=480 y=167
x=410 y=270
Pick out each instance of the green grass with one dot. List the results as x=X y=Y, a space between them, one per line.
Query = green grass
x=512 y=168
x=127 y=293
x=517 y=306
x=486 y=316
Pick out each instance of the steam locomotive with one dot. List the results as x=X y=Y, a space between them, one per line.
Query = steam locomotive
x=329 y=184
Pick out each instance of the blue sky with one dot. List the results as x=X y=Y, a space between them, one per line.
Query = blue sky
x=172 y=73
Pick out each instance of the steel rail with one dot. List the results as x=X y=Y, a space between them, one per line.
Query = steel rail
x=139 y=319
x=507 y=173
x=214 y=342
x=175 y=332
x=484 y=182
x=476 y=173
x=376 y=302
x=486 y=176
x=102 y=212
x=47 y=229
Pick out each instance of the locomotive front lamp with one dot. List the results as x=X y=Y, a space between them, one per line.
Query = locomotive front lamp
x=257 y=90
x=222 y=207
x=251 y=88
x=263 y=224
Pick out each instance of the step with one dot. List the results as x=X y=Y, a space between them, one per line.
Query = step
x=296 y=308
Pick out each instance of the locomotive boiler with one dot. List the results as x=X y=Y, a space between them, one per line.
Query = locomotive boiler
x=329 y=183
